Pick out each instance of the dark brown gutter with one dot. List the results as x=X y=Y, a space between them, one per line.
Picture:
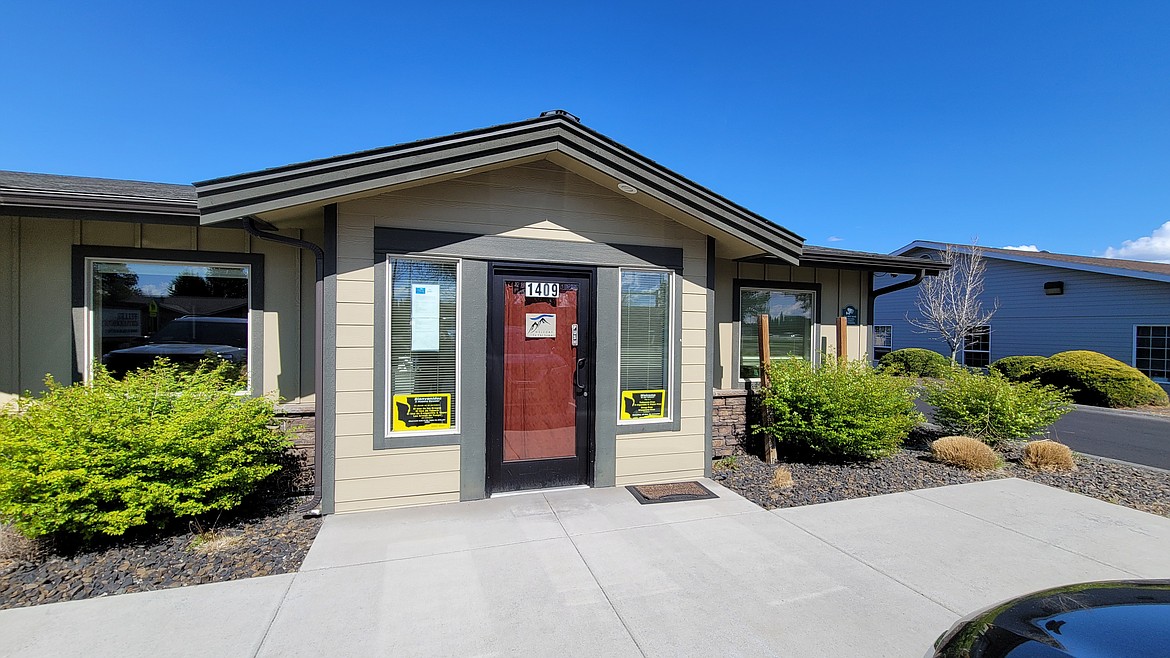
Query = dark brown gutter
x=313 y=506
x=875 y=293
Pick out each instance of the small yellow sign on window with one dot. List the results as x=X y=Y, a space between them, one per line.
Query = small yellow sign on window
x=640 y=405
x=422 y=412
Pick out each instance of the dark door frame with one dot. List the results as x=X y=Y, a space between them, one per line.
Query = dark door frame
x=586 y=405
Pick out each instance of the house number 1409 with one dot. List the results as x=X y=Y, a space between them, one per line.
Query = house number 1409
x=541 y=289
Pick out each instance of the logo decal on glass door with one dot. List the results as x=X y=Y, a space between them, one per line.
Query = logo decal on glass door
x=540 y=325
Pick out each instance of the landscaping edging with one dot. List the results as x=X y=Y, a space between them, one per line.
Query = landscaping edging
x=911 y=468
x=262 y=545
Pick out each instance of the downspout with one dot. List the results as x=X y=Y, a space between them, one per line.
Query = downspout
x=313 y=507
x=873 y=294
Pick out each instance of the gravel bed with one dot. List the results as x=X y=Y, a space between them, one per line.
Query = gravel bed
x=912 y=468
x=265 y=543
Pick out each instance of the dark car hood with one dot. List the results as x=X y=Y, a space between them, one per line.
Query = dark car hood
x=1087 y=620
x=176 y=349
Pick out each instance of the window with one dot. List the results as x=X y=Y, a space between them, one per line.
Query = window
x=423 y=350
x=977 y=347
x=644 y=361
x=140 y=311
x=1151 y=352
x=790 y=326
x=883 y=340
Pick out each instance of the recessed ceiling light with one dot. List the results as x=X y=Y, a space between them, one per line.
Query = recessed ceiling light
x=627 y=188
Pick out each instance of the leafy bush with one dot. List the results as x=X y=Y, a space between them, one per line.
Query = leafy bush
x=1015 y=367
x=1048 y=456
x=841 y=411
x=965 y=452
x=915 y=362
x=991 y=408
x=1098 y=380
x=159 y=444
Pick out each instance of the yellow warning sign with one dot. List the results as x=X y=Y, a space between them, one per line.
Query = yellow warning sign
x=639 y=405
x=422 y=412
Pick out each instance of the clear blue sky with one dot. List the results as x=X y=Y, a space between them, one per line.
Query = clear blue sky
x=862 y=125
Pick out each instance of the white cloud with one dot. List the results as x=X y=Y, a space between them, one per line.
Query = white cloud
x=833 y=238
x=1154 y=247
x=154 y=289
x=1023 y=247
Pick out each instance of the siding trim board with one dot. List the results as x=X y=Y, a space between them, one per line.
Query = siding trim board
x=488 y=247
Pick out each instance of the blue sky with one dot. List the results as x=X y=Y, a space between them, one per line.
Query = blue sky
x=861 y=125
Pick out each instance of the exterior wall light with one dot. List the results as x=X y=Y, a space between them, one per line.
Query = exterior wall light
x=1054 y=287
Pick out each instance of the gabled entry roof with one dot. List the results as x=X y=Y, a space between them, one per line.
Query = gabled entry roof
x=556 y=136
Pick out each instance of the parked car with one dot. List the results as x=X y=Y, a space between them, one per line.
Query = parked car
x=188 y=339
x=1107 y=619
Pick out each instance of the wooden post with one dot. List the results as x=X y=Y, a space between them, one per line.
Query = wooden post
x=842 y=340
x=765 y=360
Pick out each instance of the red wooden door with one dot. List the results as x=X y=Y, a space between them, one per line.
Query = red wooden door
x=540 y=371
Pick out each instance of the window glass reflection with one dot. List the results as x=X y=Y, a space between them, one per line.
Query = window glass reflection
x=182 y=312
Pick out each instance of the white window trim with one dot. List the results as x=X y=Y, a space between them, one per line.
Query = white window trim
x=670 y=359
x=90 y=316
x=387 y=401
x=873 y=339
x=987 y=351
x=1133 y=353
x=814 y=353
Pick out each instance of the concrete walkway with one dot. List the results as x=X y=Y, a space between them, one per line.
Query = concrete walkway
x=592 y=573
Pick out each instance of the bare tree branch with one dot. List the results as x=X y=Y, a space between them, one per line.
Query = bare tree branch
x=949 y=304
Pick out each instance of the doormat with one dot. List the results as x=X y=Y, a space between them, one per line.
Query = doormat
x=670 y=492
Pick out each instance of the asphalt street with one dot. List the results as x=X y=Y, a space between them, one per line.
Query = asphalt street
x=1124 y=435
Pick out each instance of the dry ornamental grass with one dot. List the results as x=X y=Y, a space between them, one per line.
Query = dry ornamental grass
x=1048 y=456
x=965 y=452
x=782 y=478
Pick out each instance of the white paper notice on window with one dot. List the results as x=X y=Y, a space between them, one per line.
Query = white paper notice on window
x=424 y=317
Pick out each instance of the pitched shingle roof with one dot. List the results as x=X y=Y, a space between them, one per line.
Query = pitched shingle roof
x=1117 y=266
x=52 y=195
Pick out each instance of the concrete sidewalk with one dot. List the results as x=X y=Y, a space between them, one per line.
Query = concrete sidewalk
x=592 y=572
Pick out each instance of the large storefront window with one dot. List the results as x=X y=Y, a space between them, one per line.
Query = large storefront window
x=423 y=344
x=790 y=326
x=184 y=312
x=645 y=345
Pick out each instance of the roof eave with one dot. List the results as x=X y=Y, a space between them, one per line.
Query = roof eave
x=52 y=204
x=323 y=181
x=1023 y=257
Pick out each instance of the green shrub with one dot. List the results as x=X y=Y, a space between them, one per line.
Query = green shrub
x=1015 y=367
x=1095 y=379
x=915 y=362
x=160 y=444
x=992 y=408
x=837 y=411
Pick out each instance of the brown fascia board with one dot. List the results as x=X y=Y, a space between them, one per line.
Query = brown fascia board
x=862 y=261
x=323 y=181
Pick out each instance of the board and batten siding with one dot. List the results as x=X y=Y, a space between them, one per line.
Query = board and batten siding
x=1096 y=312
x=36 y=330
x=541 y=201
x=838 y=289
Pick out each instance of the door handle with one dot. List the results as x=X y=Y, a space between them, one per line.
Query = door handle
x=577 y=378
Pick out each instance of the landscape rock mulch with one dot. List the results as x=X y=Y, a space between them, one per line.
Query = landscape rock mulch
x=262 y=544
x=912 y=468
